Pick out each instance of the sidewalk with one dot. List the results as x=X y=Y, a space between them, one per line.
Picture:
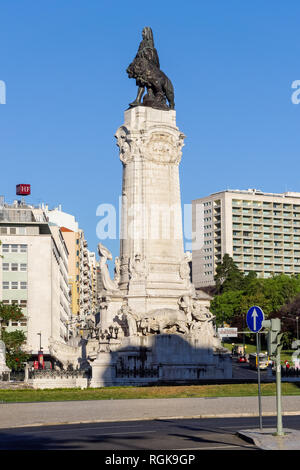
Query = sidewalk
x=35 y=414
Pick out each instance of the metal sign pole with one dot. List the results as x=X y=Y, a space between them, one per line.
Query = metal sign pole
x=258 y=379
x=255 y=318
x=278 y=394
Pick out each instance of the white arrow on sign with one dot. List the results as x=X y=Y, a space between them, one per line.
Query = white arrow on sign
x=254 y=316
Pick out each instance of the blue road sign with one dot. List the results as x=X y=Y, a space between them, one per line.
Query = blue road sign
x=255 y=317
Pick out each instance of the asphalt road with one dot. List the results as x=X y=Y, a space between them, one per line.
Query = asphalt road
x=242 y=371
x=164 y=434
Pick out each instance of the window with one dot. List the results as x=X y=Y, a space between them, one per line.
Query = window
x=13 y=230
x=14 y=248
x=23 y=285
x=23 y=303
x=3 y=230
x=14 y=266
x=23 y=267
x=5 y=285
x=23 y=248
x=5 y=248
x=14 y=285
x=5 y=267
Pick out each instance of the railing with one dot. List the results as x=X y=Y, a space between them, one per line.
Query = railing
x=136 y=372
x=17 y=376
x=16 y=215
x=62 y=374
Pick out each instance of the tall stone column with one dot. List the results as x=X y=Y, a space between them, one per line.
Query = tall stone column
x=154 y=269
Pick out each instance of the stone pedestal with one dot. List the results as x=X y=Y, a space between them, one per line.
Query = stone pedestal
x=165 y=330
x=152 y=260
x=154 y=270
x=103 y=371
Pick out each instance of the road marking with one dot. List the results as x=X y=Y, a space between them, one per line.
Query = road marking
x=78 y=429
x=217 y=447
x=124 y=432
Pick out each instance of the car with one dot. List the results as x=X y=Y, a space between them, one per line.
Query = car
x=242 y=359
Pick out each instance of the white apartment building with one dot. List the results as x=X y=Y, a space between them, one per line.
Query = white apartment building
x=34 y=274
x=260 y=231
x=82 y=266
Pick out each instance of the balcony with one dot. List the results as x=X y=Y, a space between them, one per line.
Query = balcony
x=16 y=215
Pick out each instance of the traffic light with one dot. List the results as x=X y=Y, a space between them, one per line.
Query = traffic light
x=274 y=336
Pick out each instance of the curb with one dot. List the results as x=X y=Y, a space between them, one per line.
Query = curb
x=114 y=420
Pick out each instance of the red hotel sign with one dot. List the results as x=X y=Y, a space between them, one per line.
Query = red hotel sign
x=23 y=189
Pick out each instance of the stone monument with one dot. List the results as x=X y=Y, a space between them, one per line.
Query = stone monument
x=4 y=370
x=153 y=325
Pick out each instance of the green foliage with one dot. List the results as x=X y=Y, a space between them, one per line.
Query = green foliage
x=226 y=306
x=13 y=340
x=236 y=293
x=228 y=276
x=10 y=312
x=15 y=356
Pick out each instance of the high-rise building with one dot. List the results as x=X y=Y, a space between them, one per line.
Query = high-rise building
x=260 y=231
x=34 y=274
x=72 y=241
x=82 y=264
x=93 y=272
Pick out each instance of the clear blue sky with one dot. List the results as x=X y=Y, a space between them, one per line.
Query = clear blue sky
x=64 y=63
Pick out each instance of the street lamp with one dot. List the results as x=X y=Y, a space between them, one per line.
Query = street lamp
x=41 y=364
x=40 y=335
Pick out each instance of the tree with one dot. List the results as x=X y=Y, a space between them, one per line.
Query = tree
x=289 y=315
x=228 y=276
x=277 y=296
x=14 y=340
x=226 y=306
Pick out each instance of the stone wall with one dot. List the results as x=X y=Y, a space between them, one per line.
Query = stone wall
x=57 y=379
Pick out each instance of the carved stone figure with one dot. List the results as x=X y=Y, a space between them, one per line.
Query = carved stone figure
x=202 y=324
x=162 y=147
x=137 y=267
x=127 y=319
x=201 y=313
x=2 y=353
x=117 y=271
x=145 y=68
x=4 y=370
x=66 y=355
x=158 y=321
x=125 y=145
x=184 y=269
x=185 y=305
x=105 y=254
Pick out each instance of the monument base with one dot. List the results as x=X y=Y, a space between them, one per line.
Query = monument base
x=159 y=359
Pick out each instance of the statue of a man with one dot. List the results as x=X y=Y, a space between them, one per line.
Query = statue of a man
x=145 y=68
x=146 y=56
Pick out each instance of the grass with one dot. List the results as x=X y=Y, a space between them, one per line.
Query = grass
x=125 y=393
